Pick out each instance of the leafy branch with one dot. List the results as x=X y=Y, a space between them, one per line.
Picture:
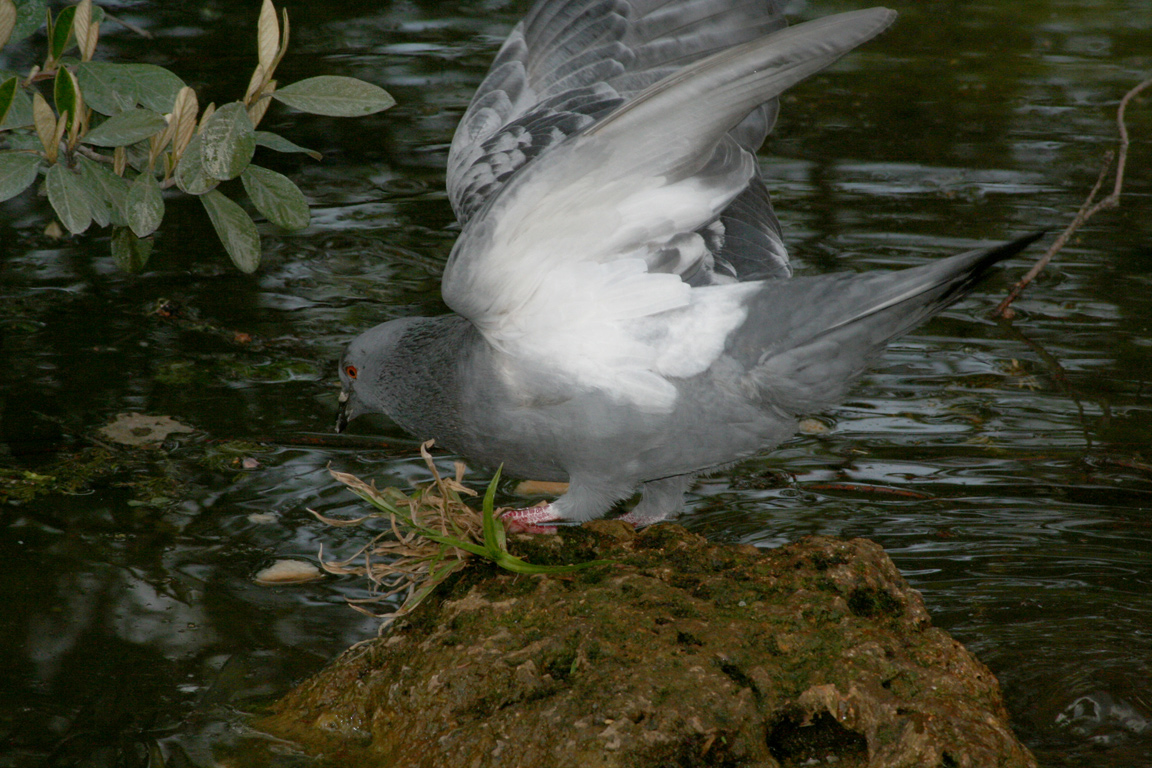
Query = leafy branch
x=432 y=534
x=116 y=135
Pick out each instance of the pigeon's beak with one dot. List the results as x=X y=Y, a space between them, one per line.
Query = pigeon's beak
x=345 y=412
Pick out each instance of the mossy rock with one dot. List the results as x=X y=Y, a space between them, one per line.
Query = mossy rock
x=678 y=653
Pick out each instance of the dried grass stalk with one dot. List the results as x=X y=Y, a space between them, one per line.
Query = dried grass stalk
x=403 y=560
x=432 y=534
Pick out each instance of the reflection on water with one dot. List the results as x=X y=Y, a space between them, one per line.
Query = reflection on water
x=132 y=620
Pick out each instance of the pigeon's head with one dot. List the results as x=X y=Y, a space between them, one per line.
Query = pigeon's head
x=364 y=371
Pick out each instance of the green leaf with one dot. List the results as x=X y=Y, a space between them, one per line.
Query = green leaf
x=7 y=96
x=62 y=32
x=130 y=252
x=335 y=96
x=19 y=111
x=98 y=204
x=104 y=89
x=236 y=230
x=137 y=156
x=101 y=96
x=17 y=172
x=280 y=144
x=111 y=88
x=144 y=207
x=494 y=533
x=275 y=196
x=227 y=142
x=68 y=199
x=29 y=18
x=126 y=128
x=25 y=140
x=190 y=175
x=65 y=91
x=105 y=189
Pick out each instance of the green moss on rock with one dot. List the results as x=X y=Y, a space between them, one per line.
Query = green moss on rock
x=678 y=653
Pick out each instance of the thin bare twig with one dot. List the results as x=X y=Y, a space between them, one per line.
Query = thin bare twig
x=1088 y=209
x=92 y=154
x=130 y=26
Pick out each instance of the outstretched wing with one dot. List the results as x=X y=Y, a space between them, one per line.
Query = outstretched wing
x=569 y=64
x=567 y=262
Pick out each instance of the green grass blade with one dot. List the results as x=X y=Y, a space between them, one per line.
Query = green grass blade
x=516 y=565
x=495 y=539
x=467 y=546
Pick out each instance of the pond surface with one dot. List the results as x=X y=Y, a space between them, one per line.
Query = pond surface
x=1007 y=468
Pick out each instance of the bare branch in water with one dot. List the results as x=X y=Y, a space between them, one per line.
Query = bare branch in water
x=1088 y=209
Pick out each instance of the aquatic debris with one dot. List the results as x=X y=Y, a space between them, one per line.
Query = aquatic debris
x=812 y=427
x=540 y=488
x=139 y=430
x=288 y=571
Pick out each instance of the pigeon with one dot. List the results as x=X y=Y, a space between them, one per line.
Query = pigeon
x=624 y=312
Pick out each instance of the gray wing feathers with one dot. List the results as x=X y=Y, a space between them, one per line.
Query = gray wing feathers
x=641 y=41
x=568 y=64
x=806 y=339
x=715 y=94
x=750 y=245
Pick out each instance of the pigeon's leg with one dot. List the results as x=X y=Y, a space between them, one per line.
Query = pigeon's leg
x=659 y=499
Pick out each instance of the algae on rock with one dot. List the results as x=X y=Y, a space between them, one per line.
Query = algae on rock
x=678 y=653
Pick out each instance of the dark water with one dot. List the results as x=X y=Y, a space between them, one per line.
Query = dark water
x=132 y=625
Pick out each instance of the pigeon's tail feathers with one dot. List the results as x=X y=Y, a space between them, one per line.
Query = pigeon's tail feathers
x=807 y=339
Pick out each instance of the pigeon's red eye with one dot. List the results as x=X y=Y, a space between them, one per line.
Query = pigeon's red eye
x=350 y=370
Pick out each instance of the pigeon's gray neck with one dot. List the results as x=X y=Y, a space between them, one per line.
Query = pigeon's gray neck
x=421 y=385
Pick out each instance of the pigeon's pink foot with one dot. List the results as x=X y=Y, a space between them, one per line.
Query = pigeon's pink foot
x=639 y=521
x=530 y=520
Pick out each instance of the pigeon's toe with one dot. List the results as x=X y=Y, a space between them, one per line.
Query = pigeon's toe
x=642 y=520
x=531 y=519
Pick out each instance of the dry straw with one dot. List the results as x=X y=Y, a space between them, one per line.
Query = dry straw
x=432 y=534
